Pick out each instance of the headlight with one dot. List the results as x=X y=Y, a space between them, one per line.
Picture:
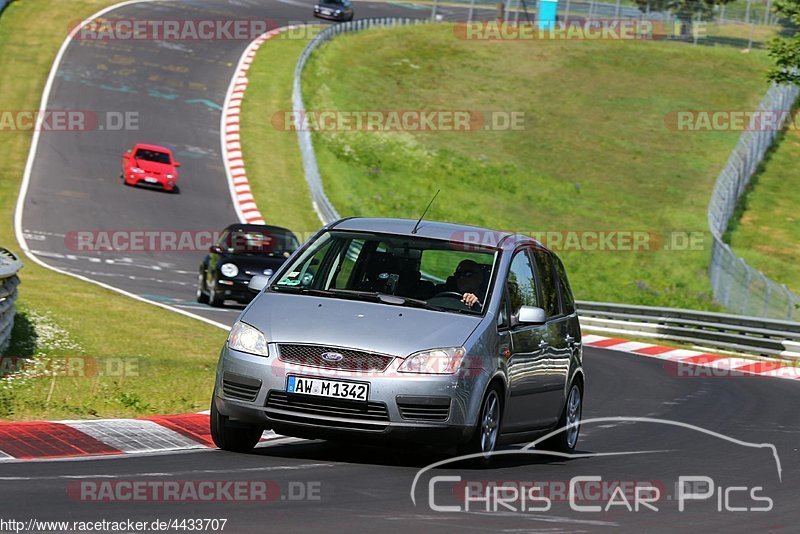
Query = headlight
x=137 y=170
x=338 y=11
x=316 y=8
x=229 y=269
x=170 y=176
x=434 y=361
x=246 y=338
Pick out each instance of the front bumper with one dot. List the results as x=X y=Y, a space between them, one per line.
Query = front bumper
x=386 y=415
x=332 y=16
x=141 y=179
x=235 y=289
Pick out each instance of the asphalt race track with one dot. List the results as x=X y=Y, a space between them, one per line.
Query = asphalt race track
x=178 y=90
x=360 y=487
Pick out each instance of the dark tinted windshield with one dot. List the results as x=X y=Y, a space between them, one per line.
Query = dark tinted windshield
x=423 y=271
x=271 y=243
x=153 y=155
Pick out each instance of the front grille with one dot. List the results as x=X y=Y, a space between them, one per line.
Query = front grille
x=424 y=409
x=240 y=387
x=354 y=412
x=352 y=360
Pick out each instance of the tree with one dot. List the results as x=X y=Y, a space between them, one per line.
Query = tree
x=786 y=50
x=685 y=11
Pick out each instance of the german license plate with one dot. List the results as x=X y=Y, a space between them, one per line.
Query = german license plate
x=151 y=180
x=320 y=387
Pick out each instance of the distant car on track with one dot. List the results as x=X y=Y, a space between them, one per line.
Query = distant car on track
x=150 y=165
x=243 y=250
x=341 y=10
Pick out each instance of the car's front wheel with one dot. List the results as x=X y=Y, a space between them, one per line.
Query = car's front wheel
x=229 y=436
x=214 y=296
x=487 y=430
x=202 y=297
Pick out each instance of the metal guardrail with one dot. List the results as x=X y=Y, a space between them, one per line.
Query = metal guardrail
x=9 y=267
x=736 y=333
x=322 y=205
x=735 y=284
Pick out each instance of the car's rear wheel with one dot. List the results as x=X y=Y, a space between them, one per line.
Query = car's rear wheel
x=569 y=424
x=202 y=297
x=487 y=429
x=230 y=436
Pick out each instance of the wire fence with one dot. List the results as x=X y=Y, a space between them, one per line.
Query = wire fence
x=736 y=285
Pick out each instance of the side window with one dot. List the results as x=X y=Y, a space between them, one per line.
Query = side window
x=521 y=285
x=567 y=300
x=548 y=281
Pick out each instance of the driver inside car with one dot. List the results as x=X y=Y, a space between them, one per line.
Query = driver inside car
x=468 y=282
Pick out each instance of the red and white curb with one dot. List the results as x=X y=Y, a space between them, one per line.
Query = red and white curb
x=243 y=200
x=693 y=363
x=107 y=437
x=113 y=437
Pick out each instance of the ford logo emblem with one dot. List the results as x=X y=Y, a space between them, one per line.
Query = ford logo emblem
x=332 y=357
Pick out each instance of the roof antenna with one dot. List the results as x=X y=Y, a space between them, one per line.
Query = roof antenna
x=414 y=231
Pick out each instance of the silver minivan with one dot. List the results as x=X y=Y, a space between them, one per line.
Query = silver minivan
x=407 y=330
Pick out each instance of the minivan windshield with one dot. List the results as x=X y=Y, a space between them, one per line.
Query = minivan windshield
x=392 y=269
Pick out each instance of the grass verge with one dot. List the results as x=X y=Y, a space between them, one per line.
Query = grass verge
x=596 y=153
x=106 y=363
x=767 y=235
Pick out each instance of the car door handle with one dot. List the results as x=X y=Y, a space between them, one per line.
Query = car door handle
x=543 y=344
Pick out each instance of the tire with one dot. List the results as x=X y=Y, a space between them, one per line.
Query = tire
x=230 y=437
x=487 y=429
x=202 y=297
x=214 y=298
x=567 y=440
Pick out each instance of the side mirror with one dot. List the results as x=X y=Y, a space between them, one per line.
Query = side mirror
x=127 y=155
x=216 y=249
x=258 y=283
x=176 y=164
x=531 y=315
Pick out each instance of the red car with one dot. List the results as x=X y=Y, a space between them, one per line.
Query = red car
x=150 y=165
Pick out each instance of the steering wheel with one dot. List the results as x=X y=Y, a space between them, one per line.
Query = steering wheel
x=450 y=294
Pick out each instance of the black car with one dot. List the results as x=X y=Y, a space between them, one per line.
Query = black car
x=243 y=250
x=334 y=10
